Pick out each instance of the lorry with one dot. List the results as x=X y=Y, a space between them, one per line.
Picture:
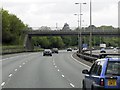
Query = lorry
x=102 y=45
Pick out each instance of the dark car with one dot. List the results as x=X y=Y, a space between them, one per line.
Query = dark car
x=47 y=52
x=69 y=49
x=55 y=50
x=102 y=50
x=104 y=74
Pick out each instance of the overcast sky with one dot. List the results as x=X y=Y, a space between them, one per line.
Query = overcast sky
x=37 y=13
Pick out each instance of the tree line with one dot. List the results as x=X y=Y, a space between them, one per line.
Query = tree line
x=12 y=29
x=13 y=33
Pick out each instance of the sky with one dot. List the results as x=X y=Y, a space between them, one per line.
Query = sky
x=37 y=13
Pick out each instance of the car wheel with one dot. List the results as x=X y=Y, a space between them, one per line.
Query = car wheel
x=92 y=88
x=83 y=87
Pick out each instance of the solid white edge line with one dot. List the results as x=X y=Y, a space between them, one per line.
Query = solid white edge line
x=80 y=62
x=72 y=85
x=10 y=75
x=3 y=83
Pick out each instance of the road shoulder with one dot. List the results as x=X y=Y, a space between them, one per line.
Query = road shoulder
x=81 y=60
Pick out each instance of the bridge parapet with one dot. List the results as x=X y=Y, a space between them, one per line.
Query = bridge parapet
x=97 y=32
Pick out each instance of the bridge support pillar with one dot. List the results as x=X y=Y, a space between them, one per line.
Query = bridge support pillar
x=28 y=43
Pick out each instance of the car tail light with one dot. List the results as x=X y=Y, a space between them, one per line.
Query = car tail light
x=102 y=81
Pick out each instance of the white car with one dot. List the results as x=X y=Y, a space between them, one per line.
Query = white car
x=47 y=52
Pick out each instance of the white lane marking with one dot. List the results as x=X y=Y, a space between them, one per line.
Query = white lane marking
x=55 y=66
x=10 y=75
x=16 y=56
x=53 y=61
x=63 y=76
x=58 y=70
x=20 y=66
x=15 y=69
x=80 y=62
x=72 y=85
x=3 y=83
x=23 y=63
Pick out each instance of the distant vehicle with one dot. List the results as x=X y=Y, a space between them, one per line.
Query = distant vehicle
x=75 y=48
x=111 y=47
x=55 y=50
x=69 y=49
x=47 y=52
x=103 y=75
x=117 y=47
x=84 y=48
x=102 y=45
x=102 y=50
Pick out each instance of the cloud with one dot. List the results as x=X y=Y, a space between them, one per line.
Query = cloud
x=37 y=13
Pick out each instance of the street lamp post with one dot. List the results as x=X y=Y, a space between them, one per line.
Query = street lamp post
x=80 y=36
x=78 y=28
x=78 y=19
x=90 y=28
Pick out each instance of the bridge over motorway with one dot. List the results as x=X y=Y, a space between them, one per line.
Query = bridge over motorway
x=30 y=34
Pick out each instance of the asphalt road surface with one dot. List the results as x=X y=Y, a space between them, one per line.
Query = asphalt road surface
x=33 y=70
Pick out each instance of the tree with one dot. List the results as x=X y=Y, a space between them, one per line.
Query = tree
x=12 y=28
x=66 y=27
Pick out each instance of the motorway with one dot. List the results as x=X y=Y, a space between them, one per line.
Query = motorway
x=33 y=70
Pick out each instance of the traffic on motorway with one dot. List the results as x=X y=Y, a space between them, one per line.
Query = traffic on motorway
x=104 y=73
x=55 y=44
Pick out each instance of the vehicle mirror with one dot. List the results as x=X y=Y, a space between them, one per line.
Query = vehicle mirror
x=85 y=71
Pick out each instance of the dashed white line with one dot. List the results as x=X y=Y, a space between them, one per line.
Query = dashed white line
x=14 y=57
x=3 y=83
x=23 y=63
x=53 y=63
x=63 y=76
x=15 y=69
x=10 y=75
x=80 y=62
x=58 y=70
x=20 y=66
x=72 y=85
x=55 y=66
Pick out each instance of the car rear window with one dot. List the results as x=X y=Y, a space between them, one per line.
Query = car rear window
x=113 y=68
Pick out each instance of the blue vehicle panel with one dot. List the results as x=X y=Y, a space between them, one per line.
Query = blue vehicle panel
x=104 y=74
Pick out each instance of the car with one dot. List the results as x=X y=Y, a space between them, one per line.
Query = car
x=69 y=49
x=111 y=47
x=103 y=74
x=102 y=50
x=47 y=52
x=55 y=50
x=75 y=48
x=85 y=48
